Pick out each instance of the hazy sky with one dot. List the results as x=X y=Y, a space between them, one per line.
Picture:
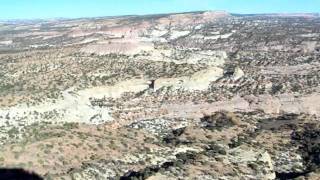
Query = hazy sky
x=30 y=9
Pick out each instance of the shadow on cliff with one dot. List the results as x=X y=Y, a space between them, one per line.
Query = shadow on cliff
x=18 y=174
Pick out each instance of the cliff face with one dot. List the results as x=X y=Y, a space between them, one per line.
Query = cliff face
x=202 y=95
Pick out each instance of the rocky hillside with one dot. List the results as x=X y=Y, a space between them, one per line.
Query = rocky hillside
x=201 y=95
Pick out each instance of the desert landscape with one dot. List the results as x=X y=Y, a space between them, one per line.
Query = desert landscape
x=197 y=95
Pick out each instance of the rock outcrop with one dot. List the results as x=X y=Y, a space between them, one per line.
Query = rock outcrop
x=198 y=81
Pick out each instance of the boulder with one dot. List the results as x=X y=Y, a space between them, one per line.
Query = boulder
x=238 y=73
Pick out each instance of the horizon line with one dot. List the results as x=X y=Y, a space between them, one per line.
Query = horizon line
x=150 y=14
